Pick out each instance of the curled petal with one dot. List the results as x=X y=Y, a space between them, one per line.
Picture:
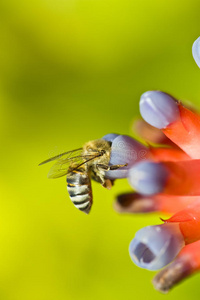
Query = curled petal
x=189 y=222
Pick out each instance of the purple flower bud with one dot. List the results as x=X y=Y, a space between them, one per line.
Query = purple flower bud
x=196 y=51
x=125 y=150
x=148 y=178
x=156 y=246
x=158 y=109
x=110 y=137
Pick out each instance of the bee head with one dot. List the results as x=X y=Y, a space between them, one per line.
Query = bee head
x=97 y=147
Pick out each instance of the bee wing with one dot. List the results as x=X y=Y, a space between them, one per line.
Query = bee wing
x=61 y=167
x=64 y=155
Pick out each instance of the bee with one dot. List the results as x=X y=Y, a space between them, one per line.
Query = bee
x=81 y=165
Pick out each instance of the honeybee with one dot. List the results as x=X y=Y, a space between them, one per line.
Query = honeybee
x=81 y=165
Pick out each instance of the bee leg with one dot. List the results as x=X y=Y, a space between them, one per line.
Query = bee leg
x=103 y=167
x=108 y=184
x=113 y=167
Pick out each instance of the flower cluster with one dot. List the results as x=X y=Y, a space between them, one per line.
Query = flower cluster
x=165 y=179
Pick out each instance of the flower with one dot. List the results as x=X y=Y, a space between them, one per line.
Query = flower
x=166 y=180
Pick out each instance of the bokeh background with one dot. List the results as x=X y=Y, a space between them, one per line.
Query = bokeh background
x=72 y=71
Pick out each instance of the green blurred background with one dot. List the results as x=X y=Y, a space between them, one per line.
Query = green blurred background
x=72 y=71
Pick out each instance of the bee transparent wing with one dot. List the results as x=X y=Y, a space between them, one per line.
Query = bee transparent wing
x=61 y=167
x=64 y=155
x=73 y=159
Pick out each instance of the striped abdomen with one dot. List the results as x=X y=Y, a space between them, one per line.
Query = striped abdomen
x=79 y=189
